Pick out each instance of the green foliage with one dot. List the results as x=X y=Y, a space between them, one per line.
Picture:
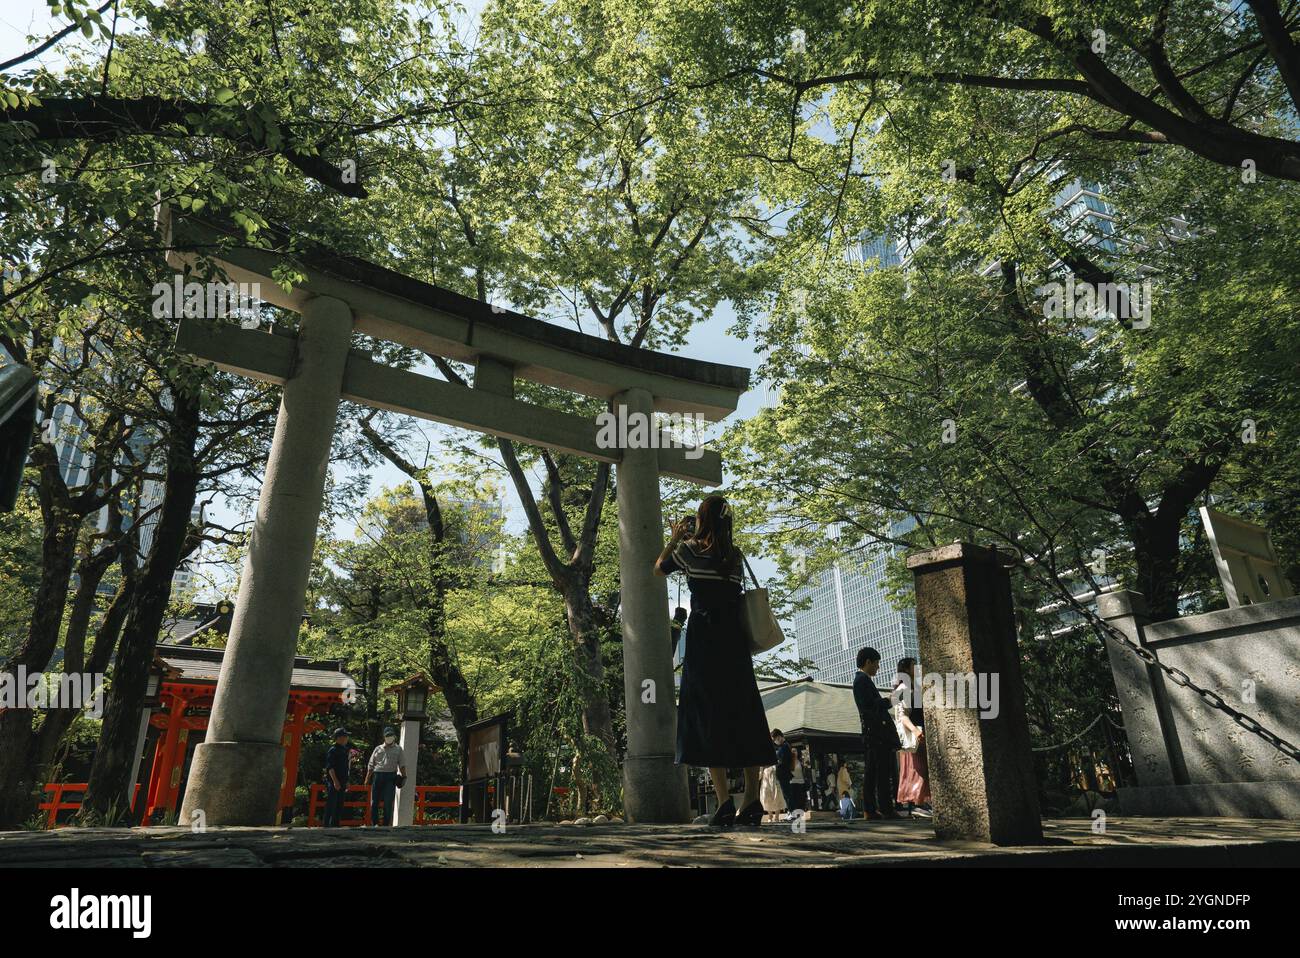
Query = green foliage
x=20 y=561
x=505 y=628
x=938 y=401
x=627 y=168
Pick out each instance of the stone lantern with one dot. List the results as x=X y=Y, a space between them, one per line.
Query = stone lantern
x=413 y=708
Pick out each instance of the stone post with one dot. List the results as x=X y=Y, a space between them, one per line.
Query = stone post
x=654 y=788
x=237 y=772
x=981 y=771
x=1143 y=698
x=410 y=742
x=141 y=736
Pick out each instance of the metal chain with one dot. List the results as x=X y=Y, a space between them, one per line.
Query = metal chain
x=1210 y=697
x=1051 y=748
x=1179 y=677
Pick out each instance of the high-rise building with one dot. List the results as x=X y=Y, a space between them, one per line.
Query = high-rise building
x=850 y=608
x=876 y=252
x=66 y=432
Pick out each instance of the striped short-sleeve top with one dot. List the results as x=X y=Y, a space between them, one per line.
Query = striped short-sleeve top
x=708 y=577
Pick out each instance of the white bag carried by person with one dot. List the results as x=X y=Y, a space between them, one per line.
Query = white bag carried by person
x=760 y=625
x=905 y=735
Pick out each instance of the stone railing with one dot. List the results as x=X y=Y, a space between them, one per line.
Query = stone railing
x=1191 y=758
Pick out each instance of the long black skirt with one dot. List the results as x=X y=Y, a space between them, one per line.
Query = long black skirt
x=720 y=717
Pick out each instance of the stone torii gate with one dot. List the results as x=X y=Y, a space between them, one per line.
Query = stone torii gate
x=237 y=772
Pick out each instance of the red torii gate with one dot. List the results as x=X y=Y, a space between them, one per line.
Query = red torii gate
x=186 y=695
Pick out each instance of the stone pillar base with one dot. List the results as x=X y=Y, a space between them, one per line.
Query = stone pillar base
x=234 y=783
x=655 y=791
x=1275 y=799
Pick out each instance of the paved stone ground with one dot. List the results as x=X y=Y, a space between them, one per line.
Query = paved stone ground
x=1138 y=842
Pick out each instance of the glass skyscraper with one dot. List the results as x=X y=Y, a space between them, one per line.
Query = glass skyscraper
x=877 y=252
x=849 y=609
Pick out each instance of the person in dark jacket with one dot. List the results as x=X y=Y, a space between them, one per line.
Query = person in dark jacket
x=336 y=777
x=677 y=628
x=880 y=742
x=721 y=723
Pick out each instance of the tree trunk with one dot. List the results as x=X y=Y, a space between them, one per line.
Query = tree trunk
x=446 y=674
x=38 y=759
x=108 y=793
x=18 y=789
x=370 y=676
x=58 y=553
x=1156 y=556
x=581 y=615
x=90 y=573
x=442 y=666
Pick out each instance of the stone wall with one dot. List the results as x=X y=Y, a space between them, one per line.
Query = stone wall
x=1191 y=758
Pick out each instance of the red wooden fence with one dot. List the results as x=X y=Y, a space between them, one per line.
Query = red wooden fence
x=429 y=802
x=428 y=799
x=56 y=803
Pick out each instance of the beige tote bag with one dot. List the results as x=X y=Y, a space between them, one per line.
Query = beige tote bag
x=761 y=627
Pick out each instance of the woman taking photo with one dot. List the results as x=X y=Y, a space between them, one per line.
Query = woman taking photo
x=720 y=719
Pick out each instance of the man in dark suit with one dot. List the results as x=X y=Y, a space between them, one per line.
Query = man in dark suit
x=879 y=740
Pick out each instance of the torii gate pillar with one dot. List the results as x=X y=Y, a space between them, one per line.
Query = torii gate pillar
x=238 y=771
x=654 y=788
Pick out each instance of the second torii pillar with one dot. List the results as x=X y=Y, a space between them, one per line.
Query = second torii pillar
x=981 y=766
x=238 y=771
x=654 y=787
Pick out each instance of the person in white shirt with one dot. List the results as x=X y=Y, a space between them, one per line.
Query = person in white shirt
x=386 y=766
x=769 y=793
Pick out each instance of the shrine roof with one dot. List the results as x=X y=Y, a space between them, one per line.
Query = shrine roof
x=808 y=708
x=203 y=665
